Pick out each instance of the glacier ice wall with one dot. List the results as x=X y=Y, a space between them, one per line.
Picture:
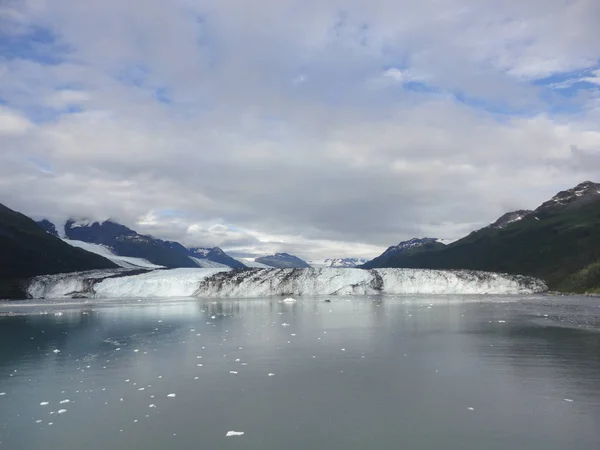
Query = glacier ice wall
x=279 y=282
x=329 y=281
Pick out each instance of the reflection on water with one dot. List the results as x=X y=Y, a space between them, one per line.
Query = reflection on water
x=362 y=372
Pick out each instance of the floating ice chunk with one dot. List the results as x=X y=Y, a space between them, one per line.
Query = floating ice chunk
x=171 y=395
x=62 y=411
x=136 y=350
x=2 y=393
x=233 y=372
x=285 y=324
x=271 y=374
x=289 y=300
x=152 y=405
x=470 y=408
x=38 y=421
x=234 y=433
x=141 y=389
x=56 y=350
x=44 y=403
x=66 y=400
x=570 y=400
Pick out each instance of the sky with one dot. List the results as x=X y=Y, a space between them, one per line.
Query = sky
x=321 y=128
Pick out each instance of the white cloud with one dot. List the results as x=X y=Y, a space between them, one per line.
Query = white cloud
x=270 y=138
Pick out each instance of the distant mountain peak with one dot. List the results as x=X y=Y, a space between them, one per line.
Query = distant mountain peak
x=338 y=262
x=412 y=244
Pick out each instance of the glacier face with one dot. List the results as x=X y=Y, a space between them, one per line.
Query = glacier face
x=250 y=283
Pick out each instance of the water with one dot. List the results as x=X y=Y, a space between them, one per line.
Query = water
x=379 y=373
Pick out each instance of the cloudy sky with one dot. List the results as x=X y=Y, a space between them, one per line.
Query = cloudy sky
x=317 y=127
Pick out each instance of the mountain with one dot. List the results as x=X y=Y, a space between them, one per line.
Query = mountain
x=216 y=255
x=559 y=242
x=27 y=250
x=404 y=248
x=283 y=261
x=126 y=247
x=344 y=263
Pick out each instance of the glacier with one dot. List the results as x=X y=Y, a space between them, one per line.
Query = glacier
x=254 y=283
x=127 y=262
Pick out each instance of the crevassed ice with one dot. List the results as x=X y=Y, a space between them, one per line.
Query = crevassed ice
x=283 y=282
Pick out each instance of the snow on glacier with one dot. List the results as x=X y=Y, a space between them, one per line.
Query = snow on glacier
x=126 y=262
x=279 y=282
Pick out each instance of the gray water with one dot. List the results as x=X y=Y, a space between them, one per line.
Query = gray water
x=378 y=373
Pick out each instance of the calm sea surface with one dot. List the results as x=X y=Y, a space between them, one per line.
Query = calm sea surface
x=389 y=372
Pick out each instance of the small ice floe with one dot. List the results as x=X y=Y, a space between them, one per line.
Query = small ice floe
x=570 y=400
x=289 y=300
x=171 y=395
x=271 y=374
x=117 y=349
x=141 y=389
x=152 y=405
x=502 y=321
x=244 y=364
x=213 y=317
x=44 y=403
x=56 y=350
x=136 y=350
x=233 y=372
x=127 y=380
x=470 y=408
x=285 y=324
x=62 y=411
x=2 y=393
x=38 y=421
x=199 y=365
x=58 y=314
x=66 y=400
x=234 y=433
x=237 y=360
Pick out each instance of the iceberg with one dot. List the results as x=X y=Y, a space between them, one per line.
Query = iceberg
x=253 y=283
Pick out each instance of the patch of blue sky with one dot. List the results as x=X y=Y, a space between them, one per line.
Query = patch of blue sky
x=568 y=83
x=171 y=213
x=497 y=108
x=39 y=44
x=41 y=164
x=138 y=75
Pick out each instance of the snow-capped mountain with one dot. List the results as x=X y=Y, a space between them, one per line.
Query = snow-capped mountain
x=341 y=263
x=581 y=194
x=404 y=248
x=283 y=261
x=120 y=244
x=413 y=245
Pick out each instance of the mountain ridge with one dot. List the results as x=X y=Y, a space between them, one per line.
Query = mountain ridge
x=559 y=241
